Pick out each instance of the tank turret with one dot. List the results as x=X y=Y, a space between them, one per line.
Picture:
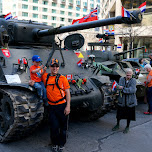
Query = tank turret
x=20 y=109
x=116 y=62
x=28 y=32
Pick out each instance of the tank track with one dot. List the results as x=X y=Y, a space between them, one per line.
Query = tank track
x=20 y=113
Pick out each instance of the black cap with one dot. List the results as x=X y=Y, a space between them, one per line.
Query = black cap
x=54 y=61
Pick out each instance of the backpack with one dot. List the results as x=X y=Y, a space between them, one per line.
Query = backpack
x=56 y=83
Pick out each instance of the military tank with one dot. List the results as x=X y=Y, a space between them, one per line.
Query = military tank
x=114 y=61
x=20 y=109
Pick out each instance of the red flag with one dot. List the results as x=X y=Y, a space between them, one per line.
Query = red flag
x=6 y=52
x=90 y=17
x=145 y=50
x=69 y=76
x=76 y=21
x=8 y=16
x=142 y=7
x=137 y=71
x=114 y=85
x=101 y=40
x=15 y=17
x=80 y=62
x=125 y=13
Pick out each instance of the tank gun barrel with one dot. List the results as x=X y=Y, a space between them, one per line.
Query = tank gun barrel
x=130 y=52
x=92 y=24
x=82 y=26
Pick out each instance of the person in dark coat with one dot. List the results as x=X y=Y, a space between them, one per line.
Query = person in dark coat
x=126 y=100
x=149 y=89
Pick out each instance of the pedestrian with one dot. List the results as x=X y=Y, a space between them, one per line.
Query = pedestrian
x=58 y=94
x=141 y=61
x=36 y=72
x=126 y=100
x=148 y=83
x=150 y=56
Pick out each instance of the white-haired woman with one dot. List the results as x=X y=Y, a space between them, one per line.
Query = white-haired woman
x=149 y=89
x=127 y=100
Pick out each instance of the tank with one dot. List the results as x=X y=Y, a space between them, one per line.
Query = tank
x=20 y=109
x=115 y=61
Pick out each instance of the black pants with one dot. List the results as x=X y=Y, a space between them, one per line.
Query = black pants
x=149 y=99
x=58 y=124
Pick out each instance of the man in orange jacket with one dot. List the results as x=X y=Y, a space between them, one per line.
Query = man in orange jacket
x=58 y=94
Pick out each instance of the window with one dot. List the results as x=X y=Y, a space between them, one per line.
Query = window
x=54 y=24
x=70 y=7
x=24 y=14
x=62 y=12
x=35 y=1
x=78 y=8
x=61 y=24
x=24 y=6
x=53 y=4
x=70 y=1
x=14 y=6
x=78 y=2
x=53 y=18
x=35 y=15
x=70 y=13
x=44 y=16
x=92 y=5
x=45 y=2
x=77 y=15
x=69 y=20
x=53 y=11
x=45 y=9
x=25 y=0
x=62 y=19
x=85 y=4
x=62 y=6
x=84 y=10
x=35 y=8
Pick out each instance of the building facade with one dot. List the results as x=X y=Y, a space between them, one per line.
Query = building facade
x=51 y=12
x=131 y=36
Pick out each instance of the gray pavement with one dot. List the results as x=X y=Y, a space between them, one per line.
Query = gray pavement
x=93 y=136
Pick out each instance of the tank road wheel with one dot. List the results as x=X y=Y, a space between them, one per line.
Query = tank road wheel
x=20 y=113
x=84 y=115
x=94 y=115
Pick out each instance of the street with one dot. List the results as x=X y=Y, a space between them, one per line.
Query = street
x=94 y=136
